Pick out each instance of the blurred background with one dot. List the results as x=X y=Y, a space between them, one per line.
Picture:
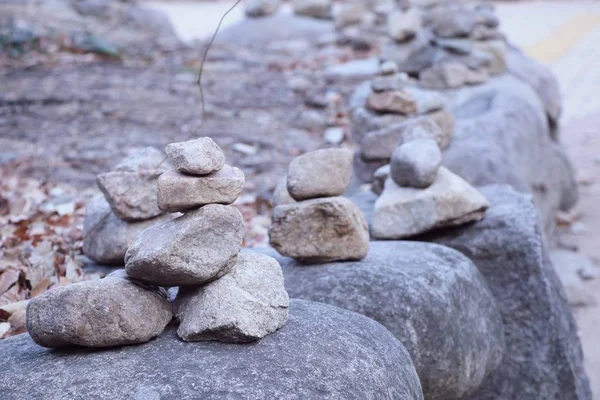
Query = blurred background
x=84 y=82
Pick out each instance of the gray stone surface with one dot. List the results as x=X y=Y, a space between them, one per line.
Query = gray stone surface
x=402 y=212
x=281 y=195
x=543 y=354
x=196 y=248
x=313 y=8
x=131 y=195
x=404 y=25
x=110 y=312
x=364 y=361
x=260 y=8
x=415 y=163
x=196 y=157
x=245 y=305
x=379 y=178
x=318 y=230
x=447 y=75
x=411 y=56
x=430 y=297
x=497 y=48
x=389 y=82
x=453 y=21
x=320 y=173
x=181 y=192
x=106 y=237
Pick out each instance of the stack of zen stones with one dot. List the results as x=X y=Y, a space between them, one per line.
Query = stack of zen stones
x=222 y=295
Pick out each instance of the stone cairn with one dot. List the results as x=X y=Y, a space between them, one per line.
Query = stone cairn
x=223 y=295
x=311 y=221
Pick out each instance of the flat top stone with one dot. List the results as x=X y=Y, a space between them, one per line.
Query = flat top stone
x=323 y=352
x=196 y=157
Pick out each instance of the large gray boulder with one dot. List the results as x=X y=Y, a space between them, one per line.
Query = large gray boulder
x=323 y=352
x=543 y=357
x=430 y=297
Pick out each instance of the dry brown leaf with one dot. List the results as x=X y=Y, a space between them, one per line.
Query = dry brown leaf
x=7 y=279
x=40 y=288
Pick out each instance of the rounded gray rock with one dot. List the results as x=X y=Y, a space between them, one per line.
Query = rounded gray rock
x=194 y=249
x=320 y=173
x=322 y=353
x=110 y=312
x=196 y=157
x=416 y=163
x=247 y=304
x=432 y=298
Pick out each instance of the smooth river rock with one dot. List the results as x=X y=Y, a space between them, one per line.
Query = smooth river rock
x=415 y=163
x=363 y=361
x=432 y=298
x=196 y=248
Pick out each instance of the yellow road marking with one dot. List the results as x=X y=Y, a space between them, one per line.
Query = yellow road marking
x=560 y=41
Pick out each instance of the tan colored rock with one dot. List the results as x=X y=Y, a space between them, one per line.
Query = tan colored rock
x=180 y=192
x=194 y=249
x=320 y=173
x=245 y=305
x=131 y=195
x=402 y=212
x=320 y=230
x=447 y=75
x=196 y=157
x=398 y=101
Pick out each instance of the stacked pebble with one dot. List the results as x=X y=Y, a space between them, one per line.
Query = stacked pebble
x=223 y=295
x=314 y=223
x=419 y=195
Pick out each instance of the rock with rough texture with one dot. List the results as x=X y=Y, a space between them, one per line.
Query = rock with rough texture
x=131 y=195
x=404 y=25
x=110 y=312
x=402 y=212
x=416 y=163
x=446 y=75
x=245 y=305
x=432 y=298
x=380 y=144
x=194 y=249
x=260 y=8
x=313 y=8
x=543 y=357
x=413 y=56
x=106 y=237
x=453 y=22
x=180 y=192
x=196 y=157
x=363 y=360
x=379 y=179
x=319 y=173
x=320 y=230
x=147 y=158
x=399 y=102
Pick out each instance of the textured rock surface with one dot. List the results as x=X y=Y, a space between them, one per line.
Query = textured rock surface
x=398 y=102
x=402 y=212
x=131 y=195
x=319 y=173
x=110 y=312
x=416 y=163
x=430 y=297
x=180 y=192
x=363 y=361
x=245 y=305
x=196 y=157
x=196 y=248
x=106 y=237
x=380 y=144
x=320 y=230
x=543 y=357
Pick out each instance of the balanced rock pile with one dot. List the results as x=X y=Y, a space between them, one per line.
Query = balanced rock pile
x=127 y=206
x=319 y=225
x=223 y=295
x=420 y=195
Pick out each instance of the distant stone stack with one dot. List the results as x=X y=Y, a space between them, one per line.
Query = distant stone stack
x=420 y=195
x=316 y=224
x=223 y=295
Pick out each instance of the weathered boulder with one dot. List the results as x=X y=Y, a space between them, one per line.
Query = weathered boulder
x=415 y=163
x=543 y=357
x=196 y=248
x=319 y=173
x=402 y=212
x=247 y=304
x=196 y=157
x=430 y=297
x=363 y=360
x=181 y=192
x=318 y=230
x=106 y=237
x=131 y=195
x=110 y=312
